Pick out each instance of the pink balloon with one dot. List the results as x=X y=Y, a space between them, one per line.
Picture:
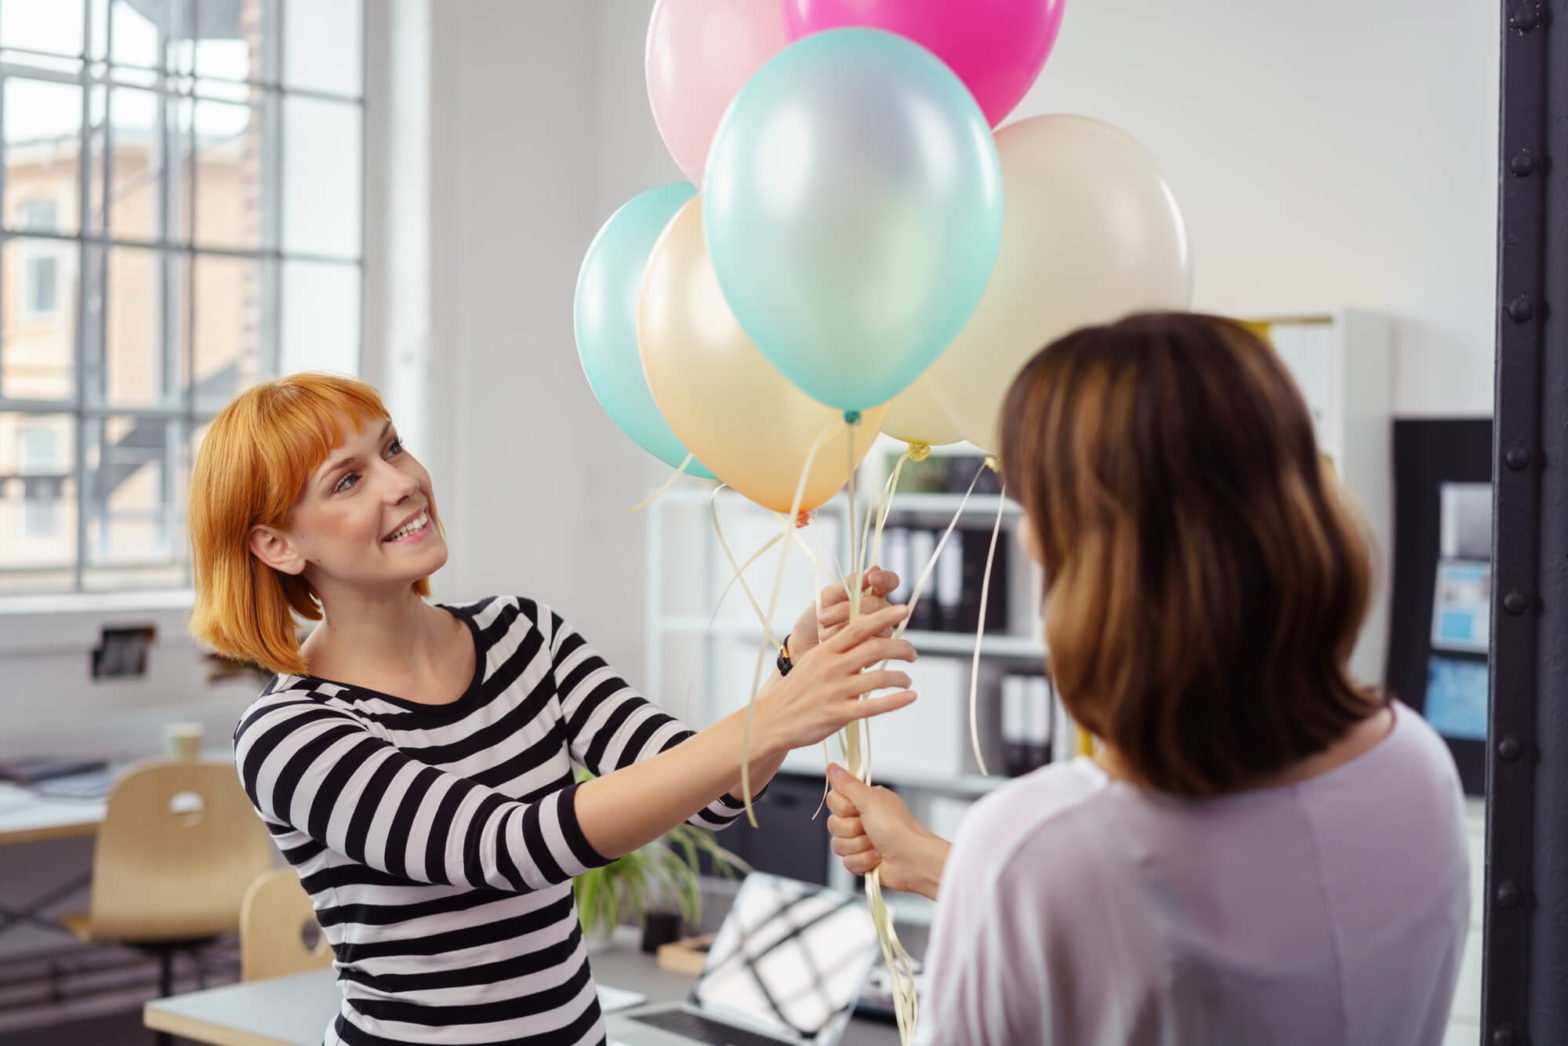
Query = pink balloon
x=996 y=47
x=700 y=52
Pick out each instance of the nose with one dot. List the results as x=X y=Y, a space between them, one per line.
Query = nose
x=398 y=486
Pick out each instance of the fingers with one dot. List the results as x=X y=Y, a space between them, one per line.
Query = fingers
x=875 y=706
x=869 y=682
x=863 y=863
x=878 y=649
x=839 y=804
x=878 y=583
x=838 y=615
x=848 y=847
x=845 y=827
x=868 y=625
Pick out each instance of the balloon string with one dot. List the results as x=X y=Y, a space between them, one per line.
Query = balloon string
x=985 y=594
x=737 y=572
x=925 y=573
x=900 y=967
x=773 y=604
x=656 y=495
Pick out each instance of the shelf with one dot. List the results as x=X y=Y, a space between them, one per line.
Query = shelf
x=925 y=642
x=808 y=763
x=947 y=505
x=964 y=643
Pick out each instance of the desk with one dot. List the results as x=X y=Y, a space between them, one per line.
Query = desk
x=294 y=1011
x=26 y=817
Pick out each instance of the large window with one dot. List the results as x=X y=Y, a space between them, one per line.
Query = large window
x=180 y=216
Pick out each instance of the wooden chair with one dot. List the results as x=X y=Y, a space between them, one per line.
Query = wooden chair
x=179 y=846
x=279 y=934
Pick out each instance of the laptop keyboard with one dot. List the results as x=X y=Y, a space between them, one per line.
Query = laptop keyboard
x=698 y=1028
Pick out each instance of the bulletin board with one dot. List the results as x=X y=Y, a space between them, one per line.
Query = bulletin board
x=1440 y=613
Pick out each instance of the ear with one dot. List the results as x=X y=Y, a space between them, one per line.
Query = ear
x=274 y=548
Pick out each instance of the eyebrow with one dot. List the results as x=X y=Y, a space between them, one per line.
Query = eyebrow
x=343 y=462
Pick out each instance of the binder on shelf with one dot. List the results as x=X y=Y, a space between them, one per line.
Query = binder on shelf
x=1041 y=713
x=895 y=557
x=922 y=545
x=952 y=599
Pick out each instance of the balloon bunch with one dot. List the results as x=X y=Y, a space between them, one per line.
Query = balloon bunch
x=862 y=242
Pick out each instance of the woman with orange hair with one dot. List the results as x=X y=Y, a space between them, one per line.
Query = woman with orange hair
x=415 y=761
x=1260 y=850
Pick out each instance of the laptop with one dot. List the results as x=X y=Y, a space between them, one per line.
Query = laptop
x=785 y=967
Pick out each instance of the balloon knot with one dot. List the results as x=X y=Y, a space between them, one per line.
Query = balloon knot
x=802 y=518
x=852 y=417
x=919 y=450
x=993 y=463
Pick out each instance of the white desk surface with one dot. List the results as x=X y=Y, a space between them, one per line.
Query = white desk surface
x=26 y=817
x=295 y=1011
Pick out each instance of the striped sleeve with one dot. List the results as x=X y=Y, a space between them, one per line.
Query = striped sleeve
x=609 y=724
x=320 y=771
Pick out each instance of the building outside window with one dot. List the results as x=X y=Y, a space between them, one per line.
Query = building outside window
x=180 y=207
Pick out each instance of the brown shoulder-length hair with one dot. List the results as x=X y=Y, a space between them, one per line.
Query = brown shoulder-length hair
x=1205 y=577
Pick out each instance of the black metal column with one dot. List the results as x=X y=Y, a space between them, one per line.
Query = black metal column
x=1525 y=978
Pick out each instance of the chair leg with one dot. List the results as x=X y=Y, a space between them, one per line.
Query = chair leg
x=165 y=989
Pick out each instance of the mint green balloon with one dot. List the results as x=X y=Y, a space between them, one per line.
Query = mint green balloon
x=852 y=204
x=609 y=286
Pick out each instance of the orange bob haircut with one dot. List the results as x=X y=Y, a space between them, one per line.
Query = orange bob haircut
x=249 y=471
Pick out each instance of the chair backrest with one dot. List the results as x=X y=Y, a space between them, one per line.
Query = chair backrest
x=279 y=934
x=179 y=846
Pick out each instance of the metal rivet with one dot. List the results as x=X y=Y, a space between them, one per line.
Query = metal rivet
x=1508 y=749
x=1525 y=17
x=1517 y=457
x=1510 y=894
x=1515 y=602
x=1505 y=1035
x=1521 y=309
x=1522 y=163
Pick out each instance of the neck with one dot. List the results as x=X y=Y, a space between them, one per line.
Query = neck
x=390 y=630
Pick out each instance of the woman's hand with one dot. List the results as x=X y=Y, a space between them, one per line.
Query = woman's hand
x=872 y=828
x=822 y=693
x=810 y=629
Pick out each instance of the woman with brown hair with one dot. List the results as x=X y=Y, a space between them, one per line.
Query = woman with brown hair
x=1261 y=850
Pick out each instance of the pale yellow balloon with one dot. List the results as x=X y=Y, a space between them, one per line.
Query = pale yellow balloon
x=915 y=416
x=1090 y=233
x=720 y=395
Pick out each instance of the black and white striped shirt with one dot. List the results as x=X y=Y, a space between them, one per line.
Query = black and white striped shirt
x=438 y=842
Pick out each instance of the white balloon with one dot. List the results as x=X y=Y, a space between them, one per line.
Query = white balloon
x=1090 y=233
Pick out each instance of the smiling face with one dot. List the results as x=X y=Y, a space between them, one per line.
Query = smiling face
x=364 y=521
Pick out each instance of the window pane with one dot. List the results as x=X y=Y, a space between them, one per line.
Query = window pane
x=227 y=346
x=43 y=128
x=320 y=325
x=42 y=25
x=230 y=41
x=228 y=175
x=321 y=45
x=321 y=177
x=135 y=31
x=37 y=502
x=133 y=535
x=139 y=366
x=135 y=164
x=37 y=342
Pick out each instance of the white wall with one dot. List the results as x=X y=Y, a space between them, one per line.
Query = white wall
x=1340 y=153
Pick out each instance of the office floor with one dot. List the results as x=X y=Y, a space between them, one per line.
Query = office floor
x=116 y=1030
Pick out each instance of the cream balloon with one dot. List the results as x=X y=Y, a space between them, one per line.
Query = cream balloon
x=722 y=398
x=1090 y=233
x=915 y=416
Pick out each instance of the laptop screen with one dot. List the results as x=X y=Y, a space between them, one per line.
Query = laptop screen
x=790 y=956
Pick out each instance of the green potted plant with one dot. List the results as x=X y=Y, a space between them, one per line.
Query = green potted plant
x=658 y=886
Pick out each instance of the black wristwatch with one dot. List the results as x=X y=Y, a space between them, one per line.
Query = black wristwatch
x=784 y=663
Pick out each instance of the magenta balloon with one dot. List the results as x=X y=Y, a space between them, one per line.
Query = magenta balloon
x=996 y=47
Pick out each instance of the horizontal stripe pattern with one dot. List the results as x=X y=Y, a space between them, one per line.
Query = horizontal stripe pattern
x=438 y=842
